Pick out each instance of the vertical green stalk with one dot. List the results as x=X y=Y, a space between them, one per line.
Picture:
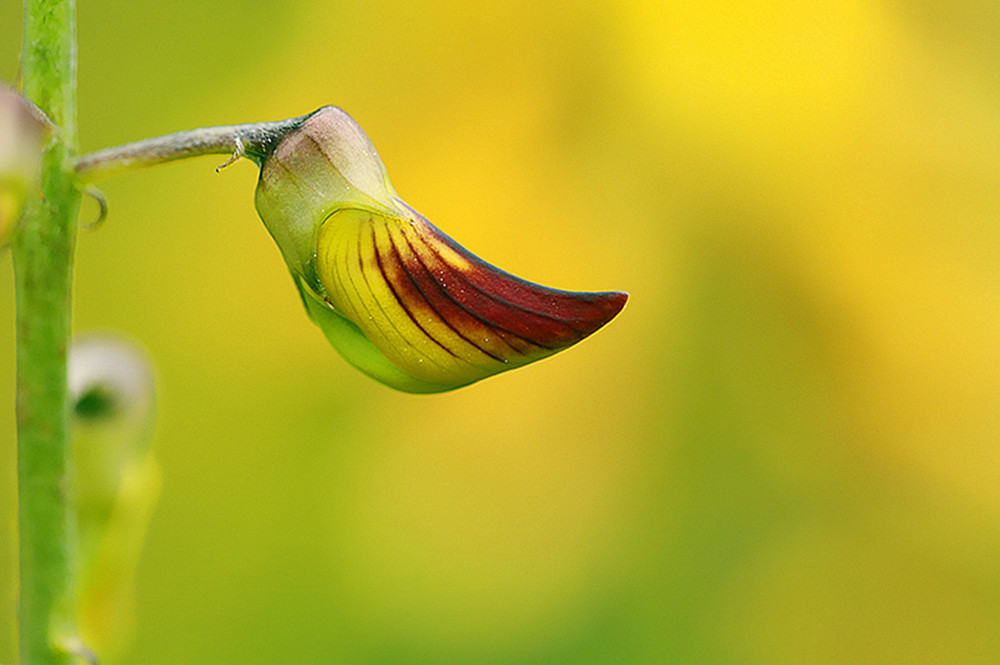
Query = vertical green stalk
x=43 y=272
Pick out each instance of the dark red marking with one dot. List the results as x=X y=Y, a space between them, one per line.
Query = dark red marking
x=547 y=317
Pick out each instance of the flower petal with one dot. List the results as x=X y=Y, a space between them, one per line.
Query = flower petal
x=437 y=312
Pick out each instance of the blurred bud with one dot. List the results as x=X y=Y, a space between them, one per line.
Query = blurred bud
x=116 y=482
x=395 y=296
x=23 y=132
x=114 y=409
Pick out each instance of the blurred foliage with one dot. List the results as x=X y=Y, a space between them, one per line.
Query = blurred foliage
x=783 y=451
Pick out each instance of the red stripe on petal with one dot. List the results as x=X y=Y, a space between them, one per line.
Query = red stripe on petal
x=539 y=330
x=549 y=318
x=380 y=310
x=497 y=342
x=407 y=295
x=408 y=280
x=584 y=311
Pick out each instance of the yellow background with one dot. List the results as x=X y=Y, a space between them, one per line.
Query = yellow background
x=785 y=450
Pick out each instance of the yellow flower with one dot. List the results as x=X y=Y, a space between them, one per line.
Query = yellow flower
x=395 y=296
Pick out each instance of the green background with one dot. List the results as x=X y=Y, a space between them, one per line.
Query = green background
x=785 y=450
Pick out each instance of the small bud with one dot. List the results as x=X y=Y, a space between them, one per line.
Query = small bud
x=114 y=414
x=23 y=131
x=395 y=296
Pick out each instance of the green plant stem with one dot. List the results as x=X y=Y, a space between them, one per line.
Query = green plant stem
x=43 y=270
x=251 y=140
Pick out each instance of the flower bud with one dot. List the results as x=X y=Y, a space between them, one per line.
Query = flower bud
x=114 y=414
x=116 y=484
x=23 y=130
x=395 y=296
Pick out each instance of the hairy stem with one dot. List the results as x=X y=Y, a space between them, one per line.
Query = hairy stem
x=252 y=140
x=43 y=270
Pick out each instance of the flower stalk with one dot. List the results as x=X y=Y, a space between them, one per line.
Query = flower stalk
x=251 y=140
x=43 y=272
